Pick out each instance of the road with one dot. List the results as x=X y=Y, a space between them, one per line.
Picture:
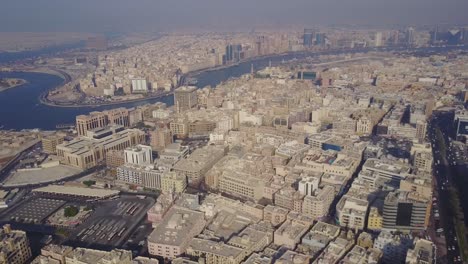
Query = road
x=443 y=176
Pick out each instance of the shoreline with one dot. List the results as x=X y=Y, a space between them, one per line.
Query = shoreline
x=44 y=102
x=11 y=86
x=66 y=77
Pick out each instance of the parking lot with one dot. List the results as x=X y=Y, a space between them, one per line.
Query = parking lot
x=111 y=223
x=33 y=210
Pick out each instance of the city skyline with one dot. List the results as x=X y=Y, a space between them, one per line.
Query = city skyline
x=207 y=15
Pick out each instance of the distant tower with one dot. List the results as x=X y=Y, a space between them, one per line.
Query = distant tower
x=410 y=36
x=396 y=37
x=434 y=36
x=252 y=72
x=308 y=37
x=378 y=39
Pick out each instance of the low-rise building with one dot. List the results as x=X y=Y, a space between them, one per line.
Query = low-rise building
x=173 y=235
x=275 y=214
x=289 y=234
x=50 y=143
x=351 y=212
x=14 y=246
x=361 y=255
x=198 y=163
x=393 y=247
x=318 y=205
x=375 y=219
x=423 y=253
x=144 y=176
x=86 y=152
x=173 y=182
x=318 y=237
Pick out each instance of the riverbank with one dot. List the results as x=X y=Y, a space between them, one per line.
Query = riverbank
x=9 y=83
x=44 y=101
x=285 y=55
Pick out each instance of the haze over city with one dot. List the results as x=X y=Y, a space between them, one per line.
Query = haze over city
x=234 y=132
x=206 y=15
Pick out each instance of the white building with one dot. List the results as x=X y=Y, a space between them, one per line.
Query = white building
x=139 y=85
x=139 y=155
x=308 y=185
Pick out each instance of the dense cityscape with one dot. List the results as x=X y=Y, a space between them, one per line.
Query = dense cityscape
x=315 y=145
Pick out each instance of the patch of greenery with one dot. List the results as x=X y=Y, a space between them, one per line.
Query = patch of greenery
x=71 y=211
x=89 y=183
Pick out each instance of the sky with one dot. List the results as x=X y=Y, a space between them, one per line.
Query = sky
x=173 y=15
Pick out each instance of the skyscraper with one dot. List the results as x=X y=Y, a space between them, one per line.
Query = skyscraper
x=308 y=37
x=378 y=39
x=410 y=36
x=229 y=53
x=320 y=39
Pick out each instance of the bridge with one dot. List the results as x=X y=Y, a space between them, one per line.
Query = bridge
x=65 y=126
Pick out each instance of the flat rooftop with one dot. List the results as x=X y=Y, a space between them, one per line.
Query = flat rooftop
x=76 y=191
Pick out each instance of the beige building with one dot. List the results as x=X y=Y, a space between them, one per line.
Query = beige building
x=50 y=143
x=161 y=138
x=86 y=152
x=420 y=185
x=289 y=234
x=96 y=120
x=351 y=212
x=185 y=98
x=201 y=128
x=290 y=199
x=421 y=130
x=14 y=246
x=172 y=237
x=423 y=253
x=179 y=127
x=275 y=214
x=215 y=252
x=375 y=219
x=318 y=206
x=90 y=256
x=242 y=185
x=171 y=181
x=89 y=122
x=423 y=161
x=198 y=163
x=115 y=158
x=53 y=254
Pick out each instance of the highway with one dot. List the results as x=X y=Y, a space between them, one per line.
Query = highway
x=444 y=180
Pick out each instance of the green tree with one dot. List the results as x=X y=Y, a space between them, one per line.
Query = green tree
x=70 y=211
x=89 y=183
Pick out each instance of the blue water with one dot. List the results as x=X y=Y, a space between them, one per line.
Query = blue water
x=20 y=107
x=8 y=57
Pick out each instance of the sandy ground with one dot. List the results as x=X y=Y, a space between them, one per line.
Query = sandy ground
x=41 y=175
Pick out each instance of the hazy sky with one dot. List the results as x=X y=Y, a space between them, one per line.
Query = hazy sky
x=167 y=15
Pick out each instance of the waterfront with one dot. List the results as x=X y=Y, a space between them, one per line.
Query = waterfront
x=21 y=108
